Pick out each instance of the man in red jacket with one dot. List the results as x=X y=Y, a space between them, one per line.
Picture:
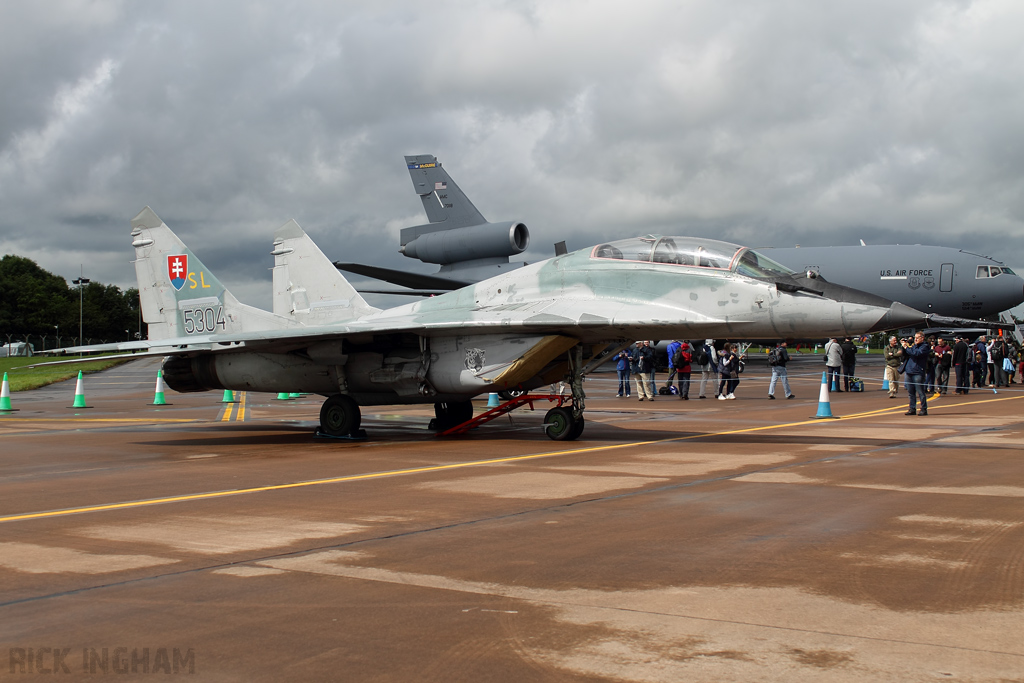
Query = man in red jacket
x=682 y=359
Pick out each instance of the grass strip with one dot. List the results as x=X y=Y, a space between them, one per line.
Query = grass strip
x=23 y=379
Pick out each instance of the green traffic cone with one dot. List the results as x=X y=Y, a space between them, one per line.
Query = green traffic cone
x=283 y=396
x=5 y=396
x=158 y=397
x=79 y=393
x=294 y=395
x=229 y=396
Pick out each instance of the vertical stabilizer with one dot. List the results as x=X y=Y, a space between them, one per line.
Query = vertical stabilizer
x=443 y=201
x=307 y=286
x=180 y=296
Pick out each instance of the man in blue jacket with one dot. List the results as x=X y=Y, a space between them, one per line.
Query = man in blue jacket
x=917 y=366
x=672 y=369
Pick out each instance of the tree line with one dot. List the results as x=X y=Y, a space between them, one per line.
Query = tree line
x=42 y=309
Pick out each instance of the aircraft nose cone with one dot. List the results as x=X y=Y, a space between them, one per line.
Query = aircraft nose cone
x=899 y=316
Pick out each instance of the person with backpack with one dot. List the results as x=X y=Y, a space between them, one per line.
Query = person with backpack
x=833 y=362
x=849 y=362
x=777 y=359
x=704 y=356
x=980 y=350
x=1014 y=356
x=997 y=353
x=681 y=361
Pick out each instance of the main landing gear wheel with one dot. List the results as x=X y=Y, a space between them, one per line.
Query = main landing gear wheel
x=561 y=425
x=448 y=415
x=340 y=416
x=510 y=394
x=577 y=429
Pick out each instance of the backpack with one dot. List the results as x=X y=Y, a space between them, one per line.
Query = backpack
x=702 y=356
x=773 y=357
x=681 y=358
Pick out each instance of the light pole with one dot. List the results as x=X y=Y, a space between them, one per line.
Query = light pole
x=81 y=282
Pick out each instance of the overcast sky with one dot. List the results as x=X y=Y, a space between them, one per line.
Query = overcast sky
x=768 y=124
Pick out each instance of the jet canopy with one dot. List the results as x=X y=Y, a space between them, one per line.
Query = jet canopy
x=695 y=252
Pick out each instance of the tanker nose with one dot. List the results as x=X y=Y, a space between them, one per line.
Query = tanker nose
x=899 y=316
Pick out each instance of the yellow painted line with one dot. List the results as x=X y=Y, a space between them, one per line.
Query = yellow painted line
x=241 y=409
x=14 y=418
x=433 y=468
x=226 y=417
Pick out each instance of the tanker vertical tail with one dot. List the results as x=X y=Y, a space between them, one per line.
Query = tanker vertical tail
x=442 y=199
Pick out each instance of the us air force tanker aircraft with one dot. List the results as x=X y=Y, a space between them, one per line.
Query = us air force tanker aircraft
x=458 y=238
x=939 y=280
x=545 y=322
x=946 y=282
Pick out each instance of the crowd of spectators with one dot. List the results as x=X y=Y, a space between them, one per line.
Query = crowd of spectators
x=925 y=367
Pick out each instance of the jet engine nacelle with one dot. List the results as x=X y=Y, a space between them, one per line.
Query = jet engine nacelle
x=487 y=240
x=249 y=372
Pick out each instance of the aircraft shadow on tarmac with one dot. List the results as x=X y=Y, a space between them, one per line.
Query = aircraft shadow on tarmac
x=301 y=434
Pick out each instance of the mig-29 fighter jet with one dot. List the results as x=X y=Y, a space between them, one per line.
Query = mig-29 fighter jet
x=549 y=321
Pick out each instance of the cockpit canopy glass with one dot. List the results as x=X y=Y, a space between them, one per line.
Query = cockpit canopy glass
x=694 y=252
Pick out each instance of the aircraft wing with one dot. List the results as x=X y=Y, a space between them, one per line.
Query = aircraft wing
x=966 y=323
x=567 y=316
x=402 y=278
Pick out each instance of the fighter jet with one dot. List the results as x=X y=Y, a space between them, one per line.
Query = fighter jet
x=549 y=321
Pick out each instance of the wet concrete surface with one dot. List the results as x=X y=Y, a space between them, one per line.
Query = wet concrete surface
x=701 y=540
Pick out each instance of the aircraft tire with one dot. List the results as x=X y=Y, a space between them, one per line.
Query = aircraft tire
x=510 y=394
x=560 y=424
x=339 y=415
x=577 y=428
x=448 y=415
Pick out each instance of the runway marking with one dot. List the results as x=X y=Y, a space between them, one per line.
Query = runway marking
x=440 y=468
x=13 y=418
x=230 y=407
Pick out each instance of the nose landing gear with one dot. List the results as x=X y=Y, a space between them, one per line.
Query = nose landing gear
x=562 y=425
x=448 y=415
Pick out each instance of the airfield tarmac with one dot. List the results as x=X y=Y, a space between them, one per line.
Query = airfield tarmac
x=699 y=541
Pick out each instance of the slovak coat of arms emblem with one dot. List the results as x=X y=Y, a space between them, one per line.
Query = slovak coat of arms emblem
x=177 y=270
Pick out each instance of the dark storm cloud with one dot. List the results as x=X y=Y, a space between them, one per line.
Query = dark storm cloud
x=810 y=123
